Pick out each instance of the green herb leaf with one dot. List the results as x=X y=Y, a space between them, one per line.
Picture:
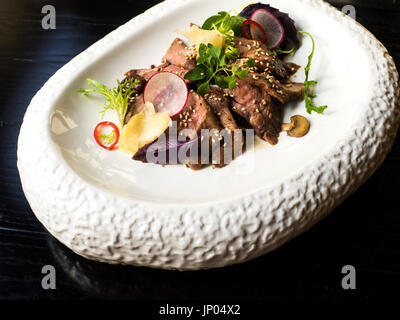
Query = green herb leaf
x=251 y=62
x=196 y=74
x=242 y=73
x=278 y=51
x=220 y=81
x=308 y=96
x=229 y=26
x=236 y=25
x=231 y=80
x=203 y=88
x=117 y=99
x=231 y=52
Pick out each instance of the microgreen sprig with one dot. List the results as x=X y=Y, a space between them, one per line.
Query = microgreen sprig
x=279 y=51
x=308 y=96
x=229 y=26
x=212 y=65
x=117 y=99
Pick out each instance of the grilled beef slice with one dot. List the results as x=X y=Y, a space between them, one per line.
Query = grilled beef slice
x=136 y=105
x=180 y=55
x=283 y=92
x=196 y=116
x=264 y=62
x=220 y=104
x=260 y=111
x=148 y=73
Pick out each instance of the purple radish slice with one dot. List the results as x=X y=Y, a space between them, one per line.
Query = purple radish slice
x=167 y=91
x=272 y=26
x=260 y=35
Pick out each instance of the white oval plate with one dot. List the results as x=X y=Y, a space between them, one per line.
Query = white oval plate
x=107 y=207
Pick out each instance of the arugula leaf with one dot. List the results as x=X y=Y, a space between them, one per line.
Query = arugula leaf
x=117 y=99
x=308 y=96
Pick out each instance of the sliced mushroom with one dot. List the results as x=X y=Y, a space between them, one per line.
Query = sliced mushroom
x=298 y=127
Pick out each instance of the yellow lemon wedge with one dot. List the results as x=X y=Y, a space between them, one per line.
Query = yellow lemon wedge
x=143 y=129
x=196 y=36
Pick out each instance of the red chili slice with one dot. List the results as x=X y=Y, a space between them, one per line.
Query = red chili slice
x=97 y=134
x=253 y=24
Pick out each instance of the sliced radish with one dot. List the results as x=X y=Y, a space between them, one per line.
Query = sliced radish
x=256 y=31
x=272 y=27
x=167 y=91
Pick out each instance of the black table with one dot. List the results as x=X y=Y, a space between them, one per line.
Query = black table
x=364 y=231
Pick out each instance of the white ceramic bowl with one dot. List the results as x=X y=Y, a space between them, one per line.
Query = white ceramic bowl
x=107 y=207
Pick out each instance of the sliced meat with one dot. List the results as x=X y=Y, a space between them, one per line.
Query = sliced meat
x=180 y=71
x=147 y=73
x=136 y=105
x=196 y=116
x=264 y=62
x=220 y=104
x=250 y=103
x=284 y=92
x=180 y=55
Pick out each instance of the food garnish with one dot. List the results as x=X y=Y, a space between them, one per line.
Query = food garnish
x=212 y=65
x=167 y=91
x=196 y=36
x=279 y=51
x=229 y=26
x=106 y=141
x=254 y=31
x=291 y=37
x=298 y=127
x=117 y=99
x=308 y=96
x=272 y=27
x=142 y=129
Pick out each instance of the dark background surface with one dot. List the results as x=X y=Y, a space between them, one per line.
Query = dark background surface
x=364 y=231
